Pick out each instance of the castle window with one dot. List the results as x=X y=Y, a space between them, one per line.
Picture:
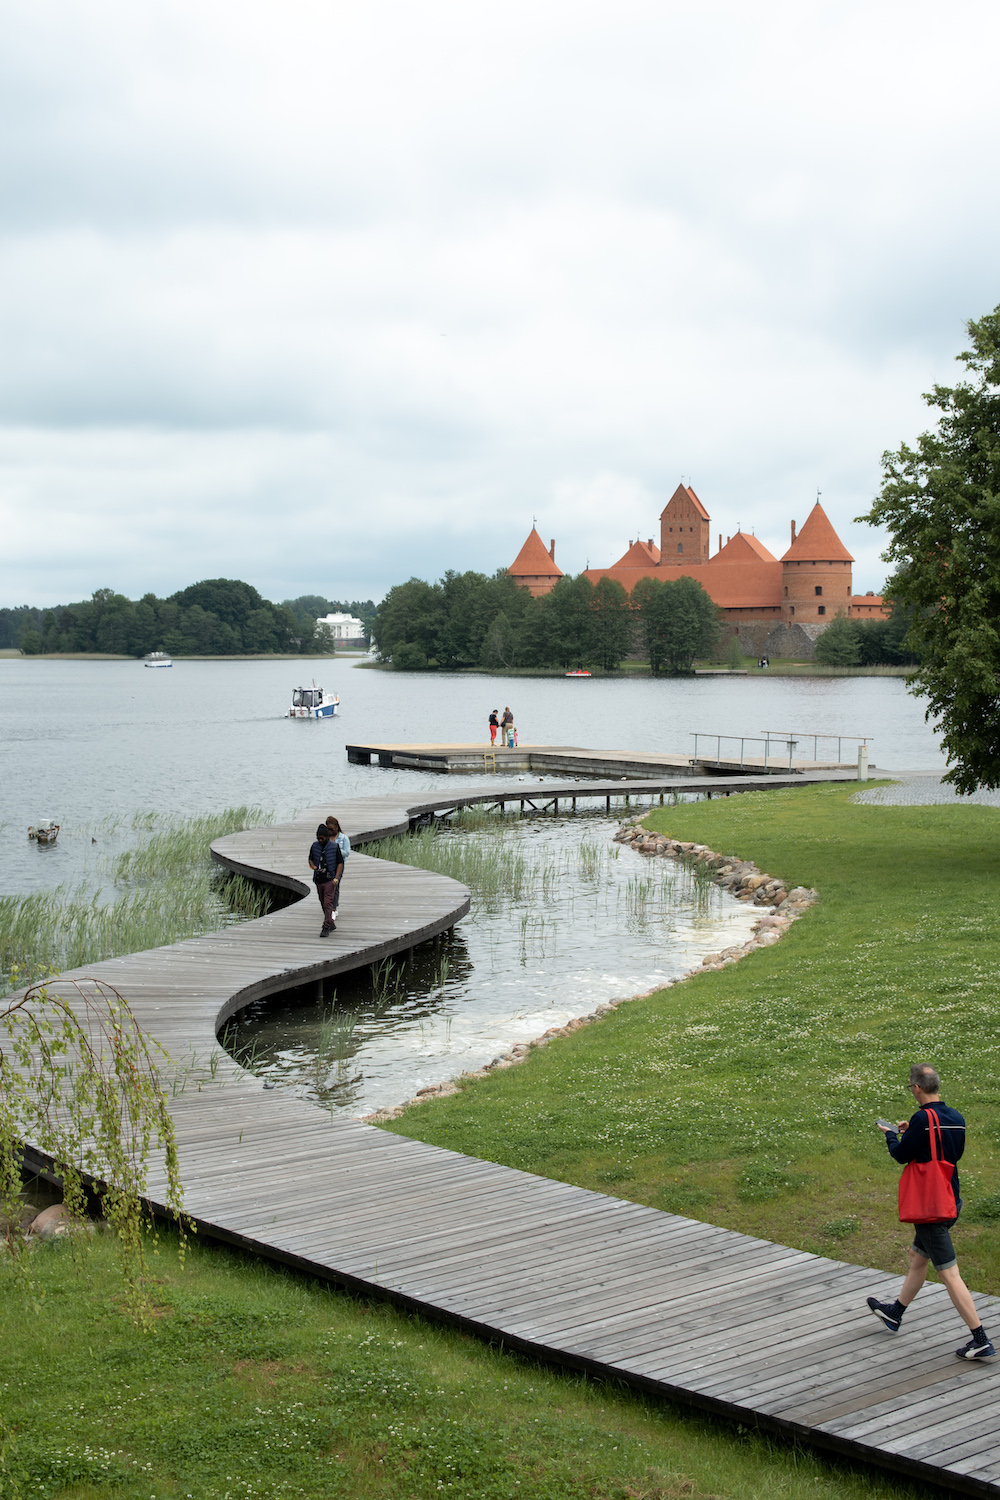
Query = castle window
x=819 y=589
x=793 y=609
x=786 y=591
x=821 y=610
x=680 y=546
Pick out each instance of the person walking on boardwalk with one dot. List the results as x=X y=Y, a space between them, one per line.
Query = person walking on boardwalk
x=344 y=845
x=935 y=1135
x=506 y=726
x=327 y=864
x=494 y=725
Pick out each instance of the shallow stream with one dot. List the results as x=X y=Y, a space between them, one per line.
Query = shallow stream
x=562 y=919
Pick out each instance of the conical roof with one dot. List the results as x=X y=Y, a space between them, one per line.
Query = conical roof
x=743 y=548
x=639 y=555
x=533 y=560
x=817 y=541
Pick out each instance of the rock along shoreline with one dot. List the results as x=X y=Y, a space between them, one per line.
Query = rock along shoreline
x=780 y=906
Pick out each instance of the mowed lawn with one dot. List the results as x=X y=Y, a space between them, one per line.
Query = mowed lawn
x=747 y=1097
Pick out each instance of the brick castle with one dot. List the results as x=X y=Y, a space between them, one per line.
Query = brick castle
x=775 y=605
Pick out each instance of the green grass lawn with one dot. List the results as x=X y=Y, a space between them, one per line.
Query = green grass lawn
x=259 y=1383
x=744 y=1097
x=747 y=1097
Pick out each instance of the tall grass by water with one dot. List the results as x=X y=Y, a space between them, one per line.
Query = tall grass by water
x=162 y=889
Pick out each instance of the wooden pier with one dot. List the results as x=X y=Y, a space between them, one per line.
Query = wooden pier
x=736 y=1325
x=574 y=760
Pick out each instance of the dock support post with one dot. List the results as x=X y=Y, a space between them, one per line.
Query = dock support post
x=607 y=803
x=574 y=804
x=555 y=804
x=661 y=799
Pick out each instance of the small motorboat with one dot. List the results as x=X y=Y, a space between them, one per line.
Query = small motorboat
x=313 y=703
x=579 y=672
x=156 y=659
x=44 y=832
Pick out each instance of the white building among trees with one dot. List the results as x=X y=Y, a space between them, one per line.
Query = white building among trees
x=346 y=631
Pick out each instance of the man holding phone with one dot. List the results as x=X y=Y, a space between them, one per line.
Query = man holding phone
x=911 y=1141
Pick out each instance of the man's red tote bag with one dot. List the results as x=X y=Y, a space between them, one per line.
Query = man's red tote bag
x=926 y=1195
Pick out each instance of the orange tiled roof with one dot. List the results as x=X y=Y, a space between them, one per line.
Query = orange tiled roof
x=533 y=560
x=639 y=555
x=743 y=548
x=817 y=541
x=742 y=585
x=697 y=504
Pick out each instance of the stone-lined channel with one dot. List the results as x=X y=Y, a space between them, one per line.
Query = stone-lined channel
x=563 y=920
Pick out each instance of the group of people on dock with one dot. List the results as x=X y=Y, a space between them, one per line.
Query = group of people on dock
x=505 y=726
x=327 y=859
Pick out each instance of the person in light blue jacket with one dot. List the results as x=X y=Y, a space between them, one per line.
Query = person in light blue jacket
x=343 y=844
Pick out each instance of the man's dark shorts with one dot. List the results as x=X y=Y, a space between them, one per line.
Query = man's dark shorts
x=934 y=1241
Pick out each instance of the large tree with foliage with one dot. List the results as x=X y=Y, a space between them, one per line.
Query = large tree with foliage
x=677 y=622
x=941 y=504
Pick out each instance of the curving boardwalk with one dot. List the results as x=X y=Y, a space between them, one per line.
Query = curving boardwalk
x=737 y=1325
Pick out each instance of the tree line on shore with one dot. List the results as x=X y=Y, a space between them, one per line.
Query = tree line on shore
x=471 y=620
x=217 y=617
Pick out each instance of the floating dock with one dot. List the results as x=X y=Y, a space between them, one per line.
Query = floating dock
x=577 y=761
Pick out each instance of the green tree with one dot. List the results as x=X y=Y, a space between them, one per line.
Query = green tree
x=839 y=645
x=411 y=613
x=612 y=626
x=677 y=621
x=941 y=504
x=31 y=643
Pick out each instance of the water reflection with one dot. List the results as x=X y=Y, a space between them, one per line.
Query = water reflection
x=561 y=919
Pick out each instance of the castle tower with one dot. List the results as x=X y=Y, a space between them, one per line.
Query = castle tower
x=684 y=526
x=534 y=568
x=815 y=573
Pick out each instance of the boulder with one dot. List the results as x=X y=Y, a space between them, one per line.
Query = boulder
x=55 y=1221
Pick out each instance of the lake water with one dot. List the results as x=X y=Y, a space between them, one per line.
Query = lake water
x=85 y=742
x=96 y=744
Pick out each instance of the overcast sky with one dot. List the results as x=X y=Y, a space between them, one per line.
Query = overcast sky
x=323 y=296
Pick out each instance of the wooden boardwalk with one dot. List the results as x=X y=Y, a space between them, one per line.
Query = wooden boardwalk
x=736 y=1325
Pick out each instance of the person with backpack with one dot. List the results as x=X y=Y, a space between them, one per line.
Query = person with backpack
x=344 y=845
x=327 y=864
x=931 y=1144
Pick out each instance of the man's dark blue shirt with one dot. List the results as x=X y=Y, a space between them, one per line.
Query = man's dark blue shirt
x=915 y=1142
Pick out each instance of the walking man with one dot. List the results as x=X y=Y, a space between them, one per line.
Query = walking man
x=327 y=864
x=506 y=726
x=935 y=1131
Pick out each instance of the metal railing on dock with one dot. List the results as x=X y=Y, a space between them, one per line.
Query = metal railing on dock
x=789 y=740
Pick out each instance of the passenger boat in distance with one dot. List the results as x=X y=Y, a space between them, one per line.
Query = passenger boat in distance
x=313 y=703
x=45 y=832
x=156 y=659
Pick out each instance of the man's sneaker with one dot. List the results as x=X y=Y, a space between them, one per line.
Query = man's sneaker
x=325 y=931
x=886 y=1314
x=972 y=1350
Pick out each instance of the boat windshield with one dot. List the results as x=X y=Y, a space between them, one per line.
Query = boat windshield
x=307 y=697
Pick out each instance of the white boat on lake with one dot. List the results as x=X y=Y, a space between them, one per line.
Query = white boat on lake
x=313 y=703
x=156 y=659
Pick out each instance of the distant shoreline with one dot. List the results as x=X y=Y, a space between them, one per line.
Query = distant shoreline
x=641 y=670
x=13 y=654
